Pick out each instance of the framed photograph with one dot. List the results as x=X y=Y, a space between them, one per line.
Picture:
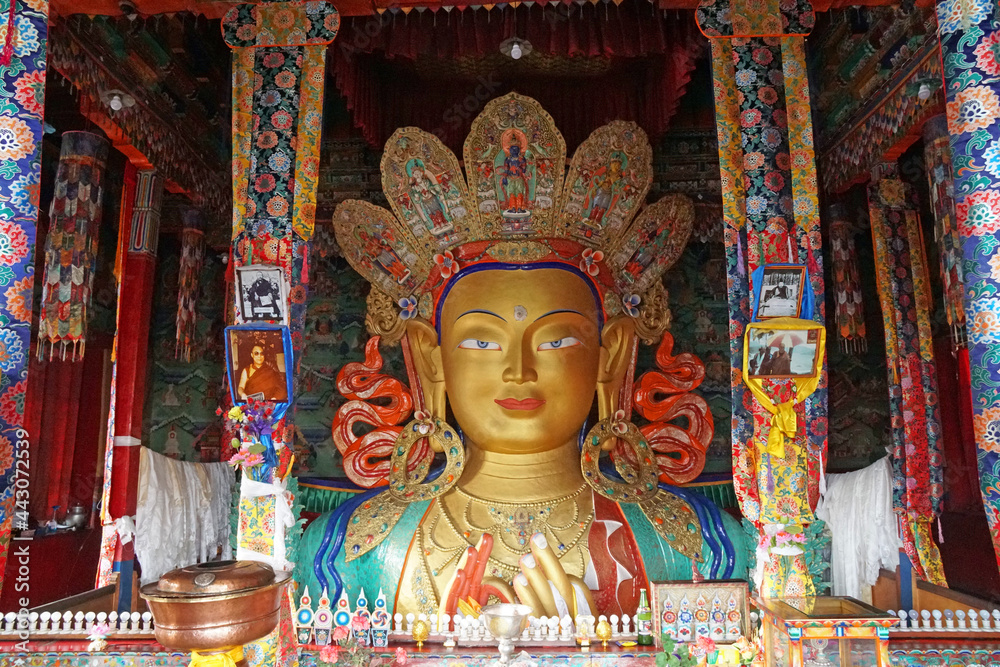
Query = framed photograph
x=781 y=292
x=259 y=363
x=262 y=294
x=685 y=610
x=782 y=353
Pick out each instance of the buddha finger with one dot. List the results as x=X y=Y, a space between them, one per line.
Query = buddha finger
x=584 y=597
x=498 y=587
x=469 y=567
x=526 y=595
x=538 y=583
x=457 y=588
x=484 y=548
x=450 y=601
x=553 y=570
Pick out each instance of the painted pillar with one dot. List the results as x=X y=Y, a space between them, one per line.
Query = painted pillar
x=138 y=232
x=771 y=215
x=279 y=70
x=22 y=84
x=970 y=44
x=904 y=294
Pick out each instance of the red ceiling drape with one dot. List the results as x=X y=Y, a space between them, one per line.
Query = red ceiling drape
x=592 y=64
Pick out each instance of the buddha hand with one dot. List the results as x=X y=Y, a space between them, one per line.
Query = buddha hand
x=544 y=585
x=469 y=585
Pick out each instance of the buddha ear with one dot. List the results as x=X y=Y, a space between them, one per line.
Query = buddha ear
x=617 y=344
x=427 y=360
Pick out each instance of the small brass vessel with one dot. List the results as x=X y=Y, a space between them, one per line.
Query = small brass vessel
x=215 y=607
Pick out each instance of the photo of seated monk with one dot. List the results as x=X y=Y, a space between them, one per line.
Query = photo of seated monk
x=781 y=292
x=258 y=365
x=778 y=353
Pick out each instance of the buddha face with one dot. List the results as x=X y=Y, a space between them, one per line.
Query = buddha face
x=520 y=353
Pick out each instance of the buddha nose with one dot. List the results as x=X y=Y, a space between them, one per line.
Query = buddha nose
x=520 y=369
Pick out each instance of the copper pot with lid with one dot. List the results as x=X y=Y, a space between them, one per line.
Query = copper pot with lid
x=215 y=606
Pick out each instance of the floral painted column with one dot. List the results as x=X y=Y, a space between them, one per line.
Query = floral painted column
x=771 y=215
x=970 y=44
x=22 y=90
x=279 y=70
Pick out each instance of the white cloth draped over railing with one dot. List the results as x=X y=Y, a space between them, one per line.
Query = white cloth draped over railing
x=857 y=506
x=183 y=513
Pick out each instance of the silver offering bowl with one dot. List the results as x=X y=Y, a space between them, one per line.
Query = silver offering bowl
x=77 y=516
x=506 y=622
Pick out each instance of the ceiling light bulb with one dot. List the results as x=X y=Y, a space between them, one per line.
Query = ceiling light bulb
x=924 y=92
x=116 y=102
x=515 y=51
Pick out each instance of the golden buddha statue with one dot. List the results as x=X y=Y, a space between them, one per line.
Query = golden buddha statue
x=512 y=320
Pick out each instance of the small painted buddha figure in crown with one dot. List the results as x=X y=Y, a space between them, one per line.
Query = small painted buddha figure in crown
x=497 y=487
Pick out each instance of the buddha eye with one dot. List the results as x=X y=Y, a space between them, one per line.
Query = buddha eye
x=568 y=341
x=476 y=344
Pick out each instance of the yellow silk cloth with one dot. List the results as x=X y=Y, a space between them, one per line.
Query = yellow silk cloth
x=783 y=419
x=928 y=557
x=788 y=577
x=228 y=659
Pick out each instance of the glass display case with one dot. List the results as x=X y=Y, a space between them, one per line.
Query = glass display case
x=824 y=632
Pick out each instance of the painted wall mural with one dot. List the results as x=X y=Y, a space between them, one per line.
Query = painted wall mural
x=179 y=419
x=859 y=408
x=696 y=285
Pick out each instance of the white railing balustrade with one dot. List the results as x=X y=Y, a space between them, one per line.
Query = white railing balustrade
x=947 y=620
x=53 y=625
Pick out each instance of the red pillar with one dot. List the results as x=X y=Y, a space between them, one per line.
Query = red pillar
x=138 y=230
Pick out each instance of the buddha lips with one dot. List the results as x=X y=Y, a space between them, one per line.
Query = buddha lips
x=522 y=404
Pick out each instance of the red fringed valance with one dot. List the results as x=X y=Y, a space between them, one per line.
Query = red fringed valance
x=590 y=65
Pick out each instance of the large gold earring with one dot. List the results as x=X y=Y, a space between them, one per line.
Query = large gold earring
x=669 y=515
x=409 y=487
x=638 y=479
x=372 y=521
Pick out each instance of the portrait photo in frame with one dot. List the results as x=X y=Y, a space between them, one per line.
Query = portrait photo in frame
x=781 y=291
x=259 y=363
x=261 y=294
x=686 y=610
x=776 y=352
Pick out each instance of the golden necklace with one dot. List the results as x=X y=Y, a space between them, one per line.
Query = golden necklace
x=512 y=525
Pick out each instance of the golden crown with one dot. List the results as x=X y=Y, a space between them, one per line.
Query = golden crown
x=516 y=204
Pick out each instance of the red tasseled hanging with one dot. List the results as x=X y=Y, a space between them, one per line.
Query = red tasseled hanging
x=8 y=46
